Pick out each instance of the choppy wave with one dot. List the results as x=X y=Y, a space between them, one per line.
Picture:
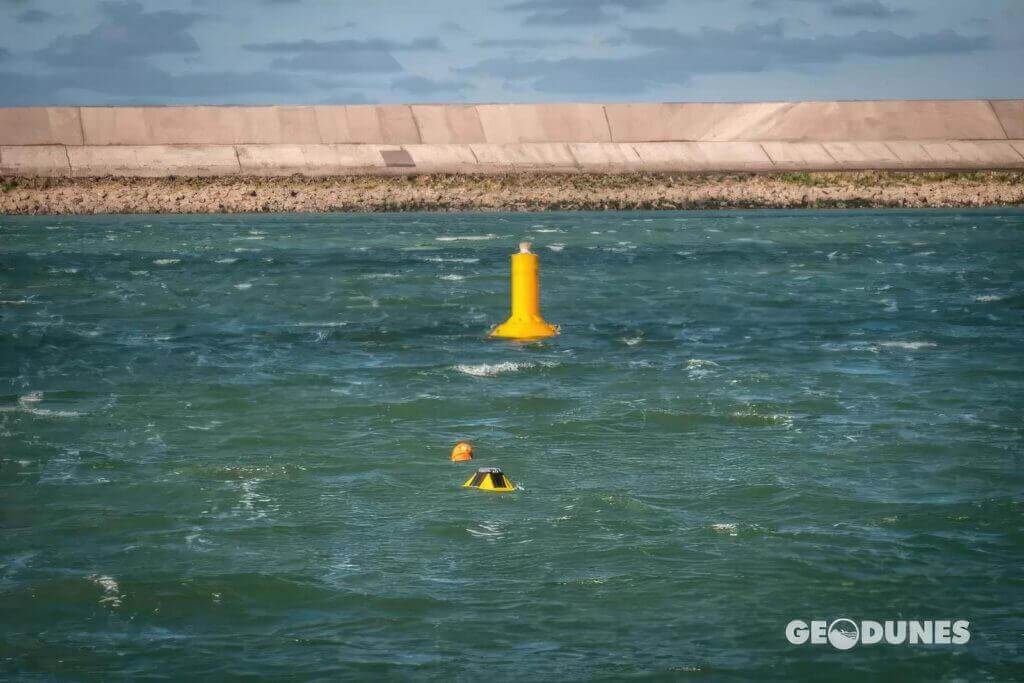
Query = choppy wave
x=492 y=369
x=28 y=404
x=111 y=590
x=439 y=259
x=465 y=238
x=907 y=345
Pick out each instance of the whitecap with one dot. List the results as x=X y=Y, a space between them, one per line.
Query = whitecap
x=632 y=341
x=166 y=261
x=492 y=369
x=28 y=402
x=723 y=528
x=556 y=247
x=111 y=590
x=458 y=238
x=227 y=260
x=547 y=230
x=438 y=259
x=243 y=285
x=381 y=276
x=453 y=278
x=908 y=346
x=985 y=298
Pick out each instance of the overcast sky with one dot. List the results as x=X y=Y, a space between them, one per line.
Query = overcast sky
x=313 y=51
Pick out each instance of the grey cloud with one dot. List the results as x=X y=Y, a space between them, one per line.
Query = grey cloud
x=33 y=16
x=866 y=9
x=418 y=85
x=516 y=43
x=768 y=44
x=125 y=32
x=134 y=83
x=576 y=12
x=674 y=57
x=353 y=56
x=4 y=54
x=452 y=27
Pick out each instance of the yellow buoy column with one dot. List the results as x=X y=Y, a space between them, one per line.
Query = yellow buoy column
x=525 y=321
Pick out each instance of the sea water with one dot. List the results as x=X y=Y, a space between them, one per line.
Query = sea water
x=224 y=445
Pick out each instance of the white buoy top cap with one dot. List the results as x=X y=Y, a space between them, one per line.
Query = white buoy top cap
x=524 y=247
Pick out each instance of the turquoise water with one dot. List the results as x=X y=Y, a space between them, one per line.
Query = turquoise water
x=224 y=442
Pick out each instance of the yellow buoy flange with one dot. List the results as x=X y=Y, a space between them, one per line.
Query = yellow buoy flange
x=489 y=479
x=525 y=321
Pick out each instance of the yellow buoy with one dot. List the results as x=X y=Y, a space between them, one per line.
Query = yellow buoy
x=525 y=321
x=489 y=479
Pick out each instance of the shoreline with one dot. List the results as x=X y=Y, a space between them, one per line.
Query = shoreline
x=511 y=192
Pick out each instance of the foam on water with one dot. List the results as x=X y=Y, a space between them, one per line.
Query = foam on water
x=907 y=345
x=502 y=368
x=465 y=238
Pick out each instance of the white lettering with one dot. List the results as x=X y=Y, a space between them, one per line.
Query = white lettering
x=960 y=633
x=797 y=632
x=895 y=632
x=870 y=632
x=920 y=632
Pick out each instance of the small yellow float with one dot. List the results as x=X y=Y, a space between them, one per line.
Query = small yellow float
x=489 y=479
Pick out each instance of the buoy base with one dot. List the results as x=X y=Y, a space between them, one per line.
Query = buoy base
x=489 y=479
x=524 y=328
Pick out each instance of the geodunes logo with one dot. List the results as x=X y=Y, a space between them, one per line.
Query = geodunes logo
x=844 y=634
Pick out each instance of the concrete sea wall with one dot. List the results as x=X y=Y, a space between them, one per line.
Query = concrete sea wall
x=497 y=138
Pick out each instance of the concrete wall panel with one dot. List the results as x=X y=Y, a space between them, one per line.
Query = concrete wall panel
x=806 y=121
x=35 y=160
x=1011 y=117
x=881 y=120
x=862 y=155
x=983 y=154
x=512 y=123
x=397 y=125
x=448 y=124
x=442 y=158
x=365 y=123
x=153 y=160
x=544 y=156
x=114 y=126
x=911 y=154
x=199 y=125
x=311 y=160
x=686 y=122
x=605 y=156
x=40 y=126
x=799 y=155
x=703 y=156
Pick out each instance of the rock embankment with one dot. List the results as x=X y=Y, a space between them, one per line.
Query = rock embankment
x=518 y=192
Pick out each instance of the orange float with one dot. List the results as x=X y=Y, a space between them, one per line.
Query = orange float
x=463 y=451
